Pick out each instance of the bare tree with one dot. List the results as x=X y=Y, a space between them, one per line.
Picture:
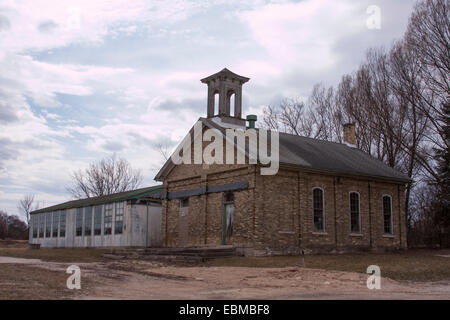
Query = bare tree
x=395 y=98
x=107 y=176
x=164 y=150
x=25 y=206
x=428 y=35
x=3 y=224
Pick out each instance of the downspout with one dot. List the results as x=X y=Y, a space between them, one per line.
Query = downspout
x=370 y=218
x=335 y=214
x=146 y=223
x=399 y=216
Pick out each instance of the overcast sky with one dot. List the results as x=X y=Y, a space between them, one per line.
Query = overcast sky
x=80 y=80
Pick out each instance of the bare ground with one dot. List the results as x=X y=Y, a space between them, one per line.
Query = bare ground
x=138 y=279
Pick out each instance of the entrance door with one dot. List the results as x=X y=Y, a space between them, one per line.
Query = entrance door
x=183 y=223
x=228 y=219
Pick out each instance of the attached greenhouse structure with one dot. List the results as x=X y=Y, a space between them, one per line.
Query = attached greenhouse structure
x=131 y=219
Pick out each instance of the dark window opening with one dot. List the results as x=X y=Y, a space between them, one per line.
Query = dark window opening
x=118 y=221
x=55 y=224
x=34 y=222
x=184 y=203
x=41 y=225
x=79 y=223
x=318 y=210
x=62 y=224
x=88 y=221
x=48 y=224
x=354 y=213
x=98 y=220
x=387 y=214
x=107 y=228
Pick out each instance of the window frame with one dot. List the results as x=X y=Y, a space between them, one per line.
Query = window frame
x=359 y=212
x=182 y=201
x=48 y=224
x=35 y=226
x=117 y=221
x=62 y=223
x=107 y=230
x=55 y=225
x=100 y=222
x=79 y=222
x=323 y=211
x=85 y=213
x=41 y=225
x=391 y=215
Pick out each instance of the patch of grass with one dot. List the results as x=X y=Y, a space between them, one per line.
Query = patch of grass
x=30 y=283
x=56 y=254
x=413 y=265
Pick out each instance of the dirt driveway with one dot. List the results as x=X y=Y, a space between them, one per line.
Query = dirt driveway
x=137 y=279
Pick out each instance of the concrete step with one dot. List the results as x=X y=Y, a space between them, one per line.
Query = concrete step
x=178 y=253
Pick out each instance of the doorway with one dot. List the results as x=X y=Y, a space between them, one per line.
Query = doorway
x=228 y=218
x=183 y=223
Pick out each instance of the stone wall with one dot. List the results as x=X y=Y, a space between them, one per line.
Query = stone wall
x=275 y=215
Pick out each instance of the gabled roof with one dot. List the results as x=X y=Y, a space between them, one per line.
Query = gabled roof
x=318 y=155
x=225 y=73
x=150 y=192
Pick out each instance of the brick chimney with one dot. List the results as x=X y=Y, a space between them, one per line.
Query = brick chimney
x=350 y=134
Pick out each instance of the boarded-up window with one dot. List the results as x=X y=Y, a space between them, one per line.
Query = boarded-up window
x=319 y=216
x=87 y=221
x=108 y=219
x=55 y=224
x=354 y=213
x=118 y=223
x=387 y=214
x=98 y=220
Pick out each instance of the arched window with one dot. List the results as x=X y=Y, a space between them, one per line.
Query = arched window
x=355 y=220
x=387 y=214
x=318 y=208
x=232 y=104
x=216 y=103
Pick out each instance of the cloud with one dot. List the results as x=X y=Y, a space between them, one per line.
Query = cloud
x=47 y=26
x=4 y=23
x=83 y=79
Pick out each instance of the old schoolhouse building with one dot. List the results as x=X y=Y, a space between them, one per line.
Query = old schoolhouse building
x=325 y=196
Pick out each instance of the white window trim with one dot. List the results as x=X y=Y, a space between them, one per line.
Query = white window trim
x=324 y=231
x=359 y=213
x=392 y=215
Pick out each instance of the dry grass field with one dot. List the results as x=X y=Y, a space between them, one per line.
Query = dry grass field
x=414 y=274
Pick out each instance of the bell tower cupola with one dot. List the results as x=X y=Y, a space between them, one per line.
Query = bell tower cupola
x=223 y=86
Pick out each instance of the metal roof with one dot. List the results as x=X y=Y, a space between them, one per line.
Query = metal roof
x=150 y=192
x=333 y=157
x=224 y=73
x=318 y=155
